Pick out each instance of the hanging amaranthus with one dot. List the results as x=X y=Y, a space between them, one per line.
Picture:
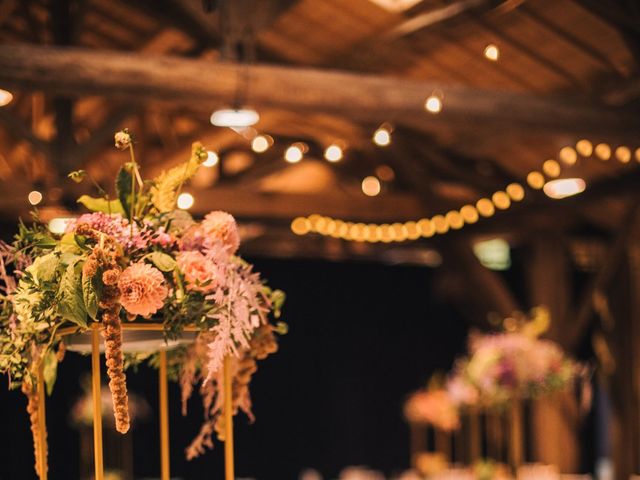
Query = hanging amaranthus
x=104 y=259
x=32 y=409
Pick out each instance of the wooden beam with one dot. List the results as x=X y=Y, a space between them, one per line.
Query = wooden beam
x=204 y=86
x=437 y=16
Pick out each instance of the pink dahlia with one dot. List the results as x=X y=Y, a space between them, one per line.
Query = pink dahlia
x=222 y=226
x=199 y=272
x=142 y=289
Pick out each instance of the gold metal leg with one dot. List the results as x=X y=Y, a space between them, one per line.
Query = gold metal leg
x=516 y=435
x=97 y=402
x=474 y=434
x=42 y=425
x=228 y=422
x=164 y=418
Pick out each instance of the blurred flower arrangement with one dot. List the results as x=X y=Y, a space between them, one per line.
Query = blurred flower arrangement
x=499 y=368
x=513 y=365
x=136 y=258
x=433 y=406
x=82 y=410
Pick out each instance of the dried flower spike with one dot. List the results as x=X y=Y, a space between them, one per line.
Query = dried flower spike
x=122 y=139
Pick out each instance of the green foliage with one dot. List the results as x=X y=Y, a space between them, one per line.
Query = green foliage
x=124 y=191
x=70 y=303
x=91 y=291
x=101 y=204
x=162 y=261
x=164 y=192
x=50 y=370
x=44 y=268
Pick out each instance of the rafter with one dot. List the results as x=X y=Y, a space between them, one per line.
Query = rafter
x=202 y=85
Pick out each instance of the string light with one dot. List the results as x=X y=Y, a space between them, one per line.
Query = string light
x=485 y=207
x=34 y=197
x=623 y=154
x=433 y=104
x=584 y=148
x=491 y=52
x=185 y=201
x=382 y=136
x=468 y=214
x=454 y=220
x=293 y=154
x=551 y=168
x=535 y=180
x=501 y=200
x=301 y=226
x=603 y=151
x=5 y=97
x=333 y=153
x=212 y=159
x=568 y=155
x=371 y=186
x=426 y=227
x=261 y=143
x=515 y=192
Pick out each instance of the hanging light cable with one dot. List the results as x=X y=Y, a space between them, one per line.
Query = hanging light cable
x=240 y=48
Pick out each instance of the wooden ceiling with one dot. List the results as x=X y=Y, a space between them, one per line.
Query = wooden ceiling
x=568 y=69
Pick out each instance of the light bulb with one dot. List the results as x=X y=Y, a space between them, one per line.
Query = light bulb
x=185 y=201
x=333 y=153
x=212 y=159
x=35 y=197
x=371 y=186
x=293 y=154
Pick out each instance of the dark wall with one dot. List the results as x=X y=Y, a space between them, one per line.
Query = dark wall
x=361 y=337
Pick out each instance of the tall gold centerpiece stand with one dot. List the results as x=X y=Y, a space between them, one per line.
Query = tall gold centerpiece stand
x=163 y=405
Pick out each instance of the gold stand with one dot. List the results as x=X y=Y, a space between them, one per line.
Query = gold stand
x=42 y=425
x=229 y=473
x=474 y=435
x=97 y=402
x=163 y=400
x=516 y=435
x=164 y=417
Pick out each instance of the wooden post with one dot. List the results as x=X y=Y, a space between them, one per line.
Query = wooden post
x=97 y=402
x=229 y=467
x=42 y=425
x=164 y=417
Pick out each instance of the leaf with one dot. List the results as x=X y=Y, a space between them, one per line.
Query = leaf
x=77 y=176
x=50 y=370
x=44 y=268
x=162 y=261
x=277 y=299
x=166 y=185
x=101 y=204
x=70 y=299
x=91 y=290
x=179 y=220
x=123 y=190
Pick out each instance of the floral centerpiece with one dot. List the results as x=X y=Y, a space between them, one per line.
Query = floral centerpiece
x=512 y=365
x=136 y=258
x=432 y=406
